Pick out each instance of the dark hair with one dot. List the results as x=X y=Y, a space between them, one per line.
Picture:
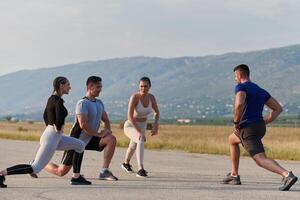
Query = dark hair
x=93 y=79
x=146 y=79
x=57 y=82
x=243 y=68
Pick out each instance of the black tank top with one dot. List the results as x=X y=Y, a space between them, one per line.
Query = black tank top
x=55 y=112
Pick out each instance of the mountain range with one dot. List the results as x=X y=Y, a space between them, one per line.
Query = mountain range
x=185 y=87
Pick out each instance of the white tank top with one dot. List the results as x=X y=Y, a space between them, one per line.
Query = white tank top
x=142 y=112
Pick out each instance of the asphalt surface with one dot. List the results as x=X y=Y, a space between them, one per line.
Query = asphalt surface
x=172 y=175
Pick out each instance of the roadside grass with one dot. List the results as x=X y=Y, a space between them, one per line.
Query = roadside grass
x=280 y=142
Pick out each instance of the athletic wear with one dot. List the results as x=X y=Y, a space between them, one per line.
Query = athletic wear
x=51 y=140
x=252 y=125
x=135 y=142
x=49 y=143
x=80 y=181
x=93 y=145
x=142 y=112
x=251 y=136
x=94 y=111
x=127 y=167
x=19 y=169
x=141 y=173
x=32 y=175
x=288 y=182
x=256 y=98
x=107 y=175
x=55 y=112
x=232 y=180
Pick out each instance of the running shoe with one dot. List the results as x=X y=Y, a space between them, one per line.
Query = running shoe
x=142 y=173
x=127 y=167
x=107 y=175
x=2 y=179
x=80 y=181
x=288 y=182
x=232 y=180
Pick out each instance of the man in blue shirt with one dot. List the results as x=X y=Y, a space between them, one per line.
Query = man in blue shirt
x=250 y=128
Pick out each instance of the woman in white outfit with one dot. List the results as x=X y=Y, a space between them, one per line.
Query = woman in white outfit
x=140 y=106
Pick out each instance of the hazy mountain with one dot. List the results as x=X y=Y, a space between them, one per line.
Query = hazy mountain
x=184 y=87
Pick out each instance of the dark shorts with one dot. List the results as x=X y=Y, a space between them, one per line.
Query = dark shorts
x=93 y=145
x=251 y=138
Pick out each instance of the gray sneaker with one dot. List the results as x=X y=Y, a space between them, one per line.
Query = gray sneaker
x=107 y=175
x=232 y=180
x=288 y=182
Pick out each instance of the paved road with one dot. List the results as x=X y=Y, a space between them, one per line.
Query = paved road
x=172 y=175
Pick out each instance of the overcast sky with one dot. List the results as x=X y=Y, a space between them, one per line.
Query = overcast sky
x=47 y=33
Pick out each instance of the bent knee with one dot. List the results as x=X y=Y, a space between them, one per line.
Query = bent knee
x=110 y=140
x=233 y=139
x=132 y=145
x=62 y=171
x=113 y=139
x=81 y=147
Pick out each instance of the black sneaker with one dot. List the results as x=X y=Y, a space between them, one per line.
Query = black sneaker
x=127 y=167
x=288 y=182
x=80 y=181
x=2 y=179
x=232 y=180
x=142 y=173
x=33 y=175
x=108 y=176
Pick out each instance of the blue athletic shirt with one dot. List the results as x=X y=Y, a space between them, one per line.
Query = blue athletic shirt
x=256 y=98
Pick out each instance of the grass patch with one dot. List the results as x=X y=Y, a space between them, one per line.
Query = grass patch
x=18 y=136
x=280 y=142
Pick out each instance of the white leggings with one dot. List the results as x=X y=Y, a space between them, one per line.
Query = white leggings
x=135 y=142
x=51 y=141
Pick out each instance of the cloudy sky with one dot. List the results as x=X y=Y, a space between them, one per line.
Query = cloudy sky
x=46 y=33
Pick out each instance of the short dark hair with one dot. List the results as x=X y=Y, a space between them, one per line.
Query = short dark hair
x=146 y=79
x=243 y=68
x=57 y=82
x=93 y=79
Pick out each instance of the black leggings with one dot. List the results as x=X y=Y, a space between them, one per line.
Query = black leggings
x=19 y=169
